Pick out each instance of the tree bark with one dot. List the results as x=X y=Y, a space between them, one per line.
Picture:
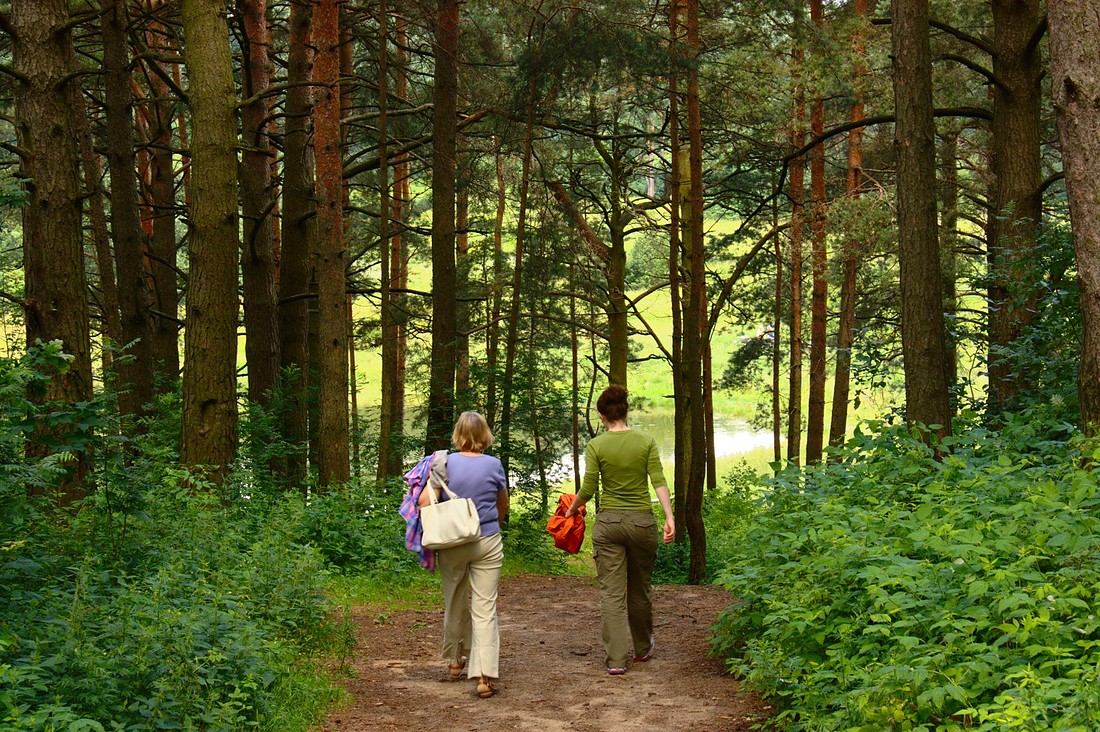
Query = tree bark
x=161 y=221
x=815 y=415
x=949 y=224
x=261 y=324
x=798 y=196
x=838 y=425
x=56 y=296
x=1017 y=207
x=676 y=191
x=209 y=430
x=135 y=375
x=444 y=278
x=332 y=368
x=386 y=431
x=101 y=238
x=493 y=338
x=922 y=327
x=1075 y=87
x=295 y=264
x=697 y=564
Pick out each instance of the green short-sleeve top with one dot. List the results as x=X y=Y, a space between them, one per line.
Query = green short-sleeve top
x=621 y=465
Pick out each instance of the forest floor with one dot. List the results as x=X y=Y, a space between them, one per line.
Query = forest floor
x=552 y=668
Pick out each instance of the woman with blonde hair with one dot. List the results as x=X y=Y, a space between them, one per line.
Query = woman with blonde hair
x=470 y=573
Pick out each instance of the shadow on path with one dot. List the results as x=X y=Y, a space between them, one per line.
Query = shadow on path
x=552 y=673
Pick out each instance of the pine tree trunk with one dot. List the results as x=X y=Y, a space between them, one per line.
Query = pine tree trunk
x=135 y=375
x=261 y=322
x=1017 y=208
x=386 y=433
x=462 y=273
x=295 y=264
x=209 y=430
x=922 y=328
x=493 y=338
x=697 y=565
x=949 y=225
x=511 y=337
x=56 y=296
x=444 y=278
x=798 y=195
x=676 y=192
x=819 y=297
x=101 y=238
x=332 y=368
x=838 y=426
x=161 y=224
x=1075 y=86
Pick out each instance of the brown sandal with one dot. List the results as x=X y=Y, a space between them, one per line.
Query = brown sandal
x=455 y=669
x=485 y=688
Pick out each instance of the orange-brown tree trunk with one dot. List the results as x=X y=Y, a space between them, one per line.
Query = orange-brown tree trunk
x=332 y=367
x=815 y=414
x=838 y=425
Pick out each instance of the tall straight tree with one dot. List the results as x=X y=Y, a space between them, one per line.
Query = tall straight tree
x=444 y=275
x=693 y=325
x=1075 y=86
x=135 y=375
x=55 y=295
x=92 y=173
x=798 y=198
x=333 y=457
x=922 y=326
x=819 y=292
x=160 y=212
x=676 y=191
x=209 y=431
x=838 y=424
x=1014 y=220
x=387 y=459
x=258 y=208
x=295 y=264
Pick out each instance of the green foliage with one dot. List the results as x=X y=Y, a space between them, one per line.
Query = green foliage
x=889 y=590
x=527 y=546
x=154 y=606
x=357 y=529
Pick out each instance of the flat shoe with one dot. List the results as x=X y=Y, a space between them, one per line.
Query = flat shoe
x=648 y=654
x=485 y=688
x=455 y=669
x=616 y=671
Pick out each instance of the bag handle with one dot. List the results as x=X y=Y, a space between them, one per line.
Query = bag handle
x=437 y=477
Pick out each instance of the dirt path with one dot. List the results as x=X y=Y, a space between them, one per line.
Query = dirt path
x=548 y=682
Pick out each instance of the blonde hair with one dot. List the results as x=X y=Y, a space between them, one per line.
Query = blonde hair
x=472 y=433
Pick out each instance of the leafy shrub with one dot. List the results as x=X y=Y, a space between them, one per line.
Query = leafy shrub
x=891 y=591
x=152 y=607
x=527 y=545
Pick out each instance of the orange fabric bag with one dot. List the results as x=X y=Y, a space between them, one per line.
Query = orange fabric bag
x=568 y=533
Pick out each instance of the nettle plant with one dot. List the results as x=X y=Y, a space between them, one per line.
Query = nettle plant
x=889 y=590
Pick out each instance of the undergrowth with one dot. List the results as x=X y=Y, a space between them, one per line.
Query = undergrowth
x=889 y=590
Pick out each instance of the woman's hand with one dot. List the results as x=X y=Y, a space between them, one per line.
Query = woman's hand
x=670 y=531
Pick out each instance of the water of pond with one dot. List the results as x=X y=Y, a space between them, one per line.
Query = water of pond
x=731 y=437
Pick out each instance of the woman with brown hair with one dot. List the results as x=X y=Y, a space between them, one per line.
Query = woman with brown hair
x=622 y=463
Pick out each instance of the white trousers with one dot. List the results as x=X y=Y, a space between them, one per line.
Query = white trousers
x=470 y=574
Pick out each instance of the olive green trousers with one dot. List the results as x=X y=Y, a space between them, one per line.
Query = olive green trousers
x=625 y=549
